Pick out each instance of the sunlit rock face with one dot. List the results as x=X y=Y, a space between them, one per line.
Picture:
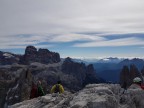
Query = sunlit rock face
x=92 y=96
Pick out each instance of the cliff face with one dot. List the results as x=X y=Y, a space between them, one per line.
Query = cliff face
x=134 y=72
x=31 y=55
x=92 y=96
x=84 y=74
x=19 y=78
x=15 y=84
x=128 y=74
x=125 y=76
x=42 y=56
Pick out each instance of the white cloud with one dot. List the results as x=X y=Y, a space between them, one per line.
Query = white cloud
x=113 y=43
x=67 y=16
x=24 y=46
x=75 y=37
x=21 y=41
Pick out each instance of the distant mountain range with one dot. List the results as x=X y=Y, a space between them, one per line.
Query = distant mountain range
x=109 y=68
x=106 y=60
x=106 y=68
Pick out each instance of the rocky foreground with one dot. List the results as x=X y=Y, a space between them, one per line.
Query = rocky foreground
x=92 y=96
x=18 y=72
x=16 y=80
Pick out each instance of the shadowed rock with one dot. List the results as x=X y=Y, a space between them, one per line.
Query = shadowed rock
x=42 y=56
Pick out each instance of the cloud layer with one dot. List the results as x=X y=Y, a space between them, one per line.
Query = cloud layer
x=77 y=40
x=83 y=23
x=132 y=41
x=52 y=16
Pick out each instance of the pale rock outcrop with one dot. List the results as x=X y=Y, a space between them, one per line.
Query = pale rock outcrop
x=95 y=96
x=92 y=96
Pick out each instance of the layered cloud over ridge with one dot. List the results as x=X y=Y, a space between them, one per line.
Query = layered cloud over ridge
x=132 y=41
x=77 y=40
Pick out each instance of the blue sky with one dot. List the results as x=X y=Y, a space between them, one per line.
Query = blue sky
x=75 y=28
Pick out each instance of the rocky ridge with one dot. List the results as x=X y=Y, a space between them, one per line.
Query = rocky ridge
x=127 y=74
x=92 y=96
x=42 y=56
x=31 y=55
x=18 y=78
